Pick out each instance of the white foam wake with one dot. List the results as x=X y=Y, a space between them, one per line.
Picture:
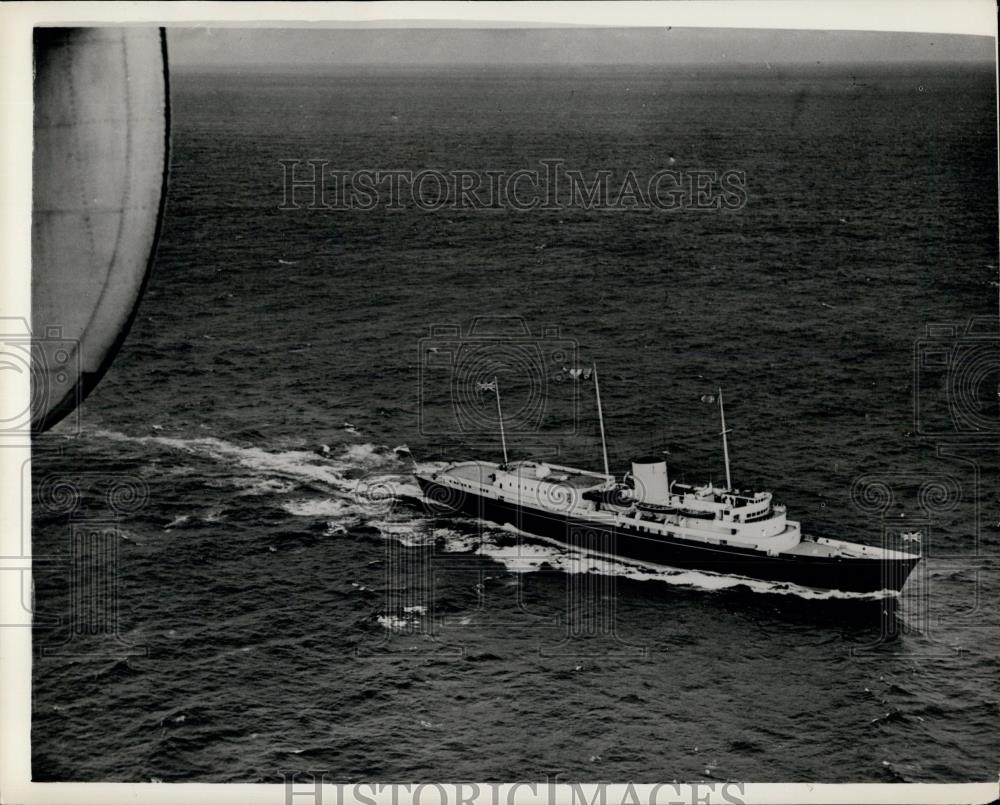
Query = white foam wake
x=298 y=464
x=339 y=470
x=362 y=486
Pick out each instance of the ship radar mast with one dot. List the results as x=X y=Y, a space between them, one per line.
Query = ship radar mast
x=725 y=440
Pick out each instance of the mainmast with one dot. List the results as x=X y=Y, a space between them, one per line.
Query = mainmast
x=503 y=439
x=725 y=440
x=600 y=419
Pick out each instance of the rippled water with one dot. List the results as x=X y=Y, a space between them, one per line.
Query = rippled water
x=286 y=602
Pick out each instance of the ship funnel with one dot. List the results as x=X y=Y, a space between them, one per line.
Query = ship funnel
x=651 y=485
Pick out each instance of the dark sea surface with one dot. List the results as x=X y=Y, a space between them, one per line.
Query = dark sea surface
x=284 y=607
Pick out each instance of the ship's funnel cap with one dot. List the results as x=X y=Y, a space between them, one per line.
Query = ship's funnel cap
x=649 y=460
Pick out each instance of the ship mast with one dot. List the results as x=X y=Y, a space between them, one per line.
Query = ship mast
x=503 y=439
x=725 y=440
x=600 y=419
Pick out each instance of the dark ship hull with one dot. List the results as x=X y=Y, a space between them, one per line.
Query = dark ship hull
x=844 y=573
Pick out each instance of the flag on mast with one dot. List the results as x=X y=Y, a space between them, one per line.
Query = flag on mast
x=491 y=386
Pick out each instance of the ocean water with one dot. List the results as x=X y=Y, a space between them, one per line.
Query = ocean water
x=263 y=592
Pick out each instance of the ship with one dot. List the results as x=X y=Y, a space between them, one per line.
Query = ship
x=646 y=515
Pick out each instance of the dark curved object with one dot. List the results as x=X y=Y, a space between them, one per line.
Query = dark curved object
x=102 y=118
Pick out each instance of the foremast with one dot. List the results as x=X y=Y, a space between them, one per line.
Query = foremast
x=600 y=420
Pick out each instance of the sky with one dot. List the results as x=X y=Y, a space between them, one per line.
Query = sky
x=199 y=48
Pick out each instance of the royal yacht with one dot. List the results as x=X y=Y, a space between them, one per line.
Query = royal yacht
x=650 y=517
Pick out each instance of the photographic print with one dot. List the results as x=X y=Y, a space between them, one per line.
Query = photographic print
x=425 y=403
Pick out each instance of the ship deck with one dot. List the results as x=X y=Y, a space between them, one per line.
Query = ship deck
x=565 y=476
x=475 y=472
x=835 y=548
x=479 y=472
